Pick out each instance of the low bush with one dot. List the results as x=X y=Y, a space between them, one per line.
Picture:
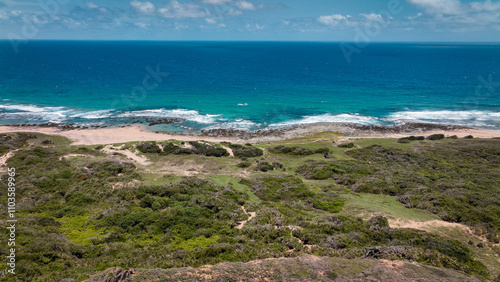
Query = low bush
x=346 y=145
x=171 y=148
x=435 y=137
x=148 y=147
x=247 y=151
x=264 y=167
x=244 y=164
x=208 y=150
x=404 y=140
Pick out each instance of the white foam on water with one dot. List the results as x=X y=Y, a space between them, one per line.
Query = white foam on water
x=190 y=115
x=466 y=118
x=329 y=118
x=93 y=114
x=34 y=112
x=239 y=124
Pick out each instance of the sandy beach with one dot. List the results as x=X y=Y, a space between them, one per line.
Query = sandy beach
x=139 y=133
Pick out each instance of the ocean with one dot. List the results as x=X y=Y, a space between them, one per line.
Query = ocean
x=185 y=87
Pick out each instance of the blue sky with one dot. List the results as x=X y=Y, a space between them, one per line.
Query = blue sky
x=305 y=20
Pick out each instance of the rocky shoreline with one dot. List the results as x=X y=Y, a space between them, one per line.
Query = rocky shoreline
x=350 y=130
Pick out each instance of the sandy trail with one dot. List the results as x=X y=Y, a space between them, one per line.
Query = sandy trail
x=72 y=155
x=426 y=225
x=142 y=160
x=229 y=150
x=252 y=215
x=3 y=160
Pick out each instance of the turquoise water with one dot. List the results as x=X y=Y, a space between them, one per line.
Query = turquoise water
x=248 y=85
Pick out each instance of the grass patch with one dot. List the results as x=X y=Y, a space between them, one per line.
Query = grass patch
x=365 y=205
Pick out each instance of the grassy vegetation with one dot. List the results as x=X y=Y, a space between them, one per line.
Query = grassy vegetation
x=78 y=221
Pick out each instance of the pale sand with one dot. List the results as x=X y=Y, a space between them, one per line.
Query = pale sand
x=138 y=133
x=110 y=135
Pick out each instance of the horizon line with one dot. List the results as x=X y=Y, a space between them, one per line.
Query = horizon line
x=270 y=41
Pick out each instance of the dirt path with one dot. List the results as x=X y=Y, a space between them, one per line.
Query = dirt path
x=252 y=215
x=72 y=155
x=3 y=160
x=142 y=160
x=229 y=150
x=427 y=225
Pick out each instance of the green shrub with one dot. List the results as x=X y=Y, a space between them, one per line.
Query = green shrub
x=148 y=147
x=244 y=164
x=110 y=168
x=208 y=150
x=297 y=151
x=435 y=137
x=322 y=151
x=246 y=151
x=404 y=140
x=98 y=147
x=346 y=145
x=378 y=222
x=264 y=167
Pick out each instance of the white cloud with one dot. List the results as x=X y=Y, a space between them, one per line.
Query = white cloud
x=335 y=20
x=244 y=5
x=210 y=21
x=486 y=6
x=415 y=17
x=373 y=17
x=254 y=27
x=141 y=25
x=215 y=2
x=188 y=10
x=449 y=7
x=143 y=7
x=92 y=5
x=233 y=12
x=454 y=12
x=179 y=26
x=3 y=15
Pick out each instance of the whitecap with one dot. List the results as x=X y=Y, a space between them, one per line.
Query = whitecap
x=34 y=112
x=329 y=118
x=238 y=124
x=466 y=118
x=93 y=114
x=189 y=115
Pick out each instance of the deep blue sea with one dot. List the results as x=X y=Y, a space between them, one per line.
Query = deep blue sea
x=248 y=85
